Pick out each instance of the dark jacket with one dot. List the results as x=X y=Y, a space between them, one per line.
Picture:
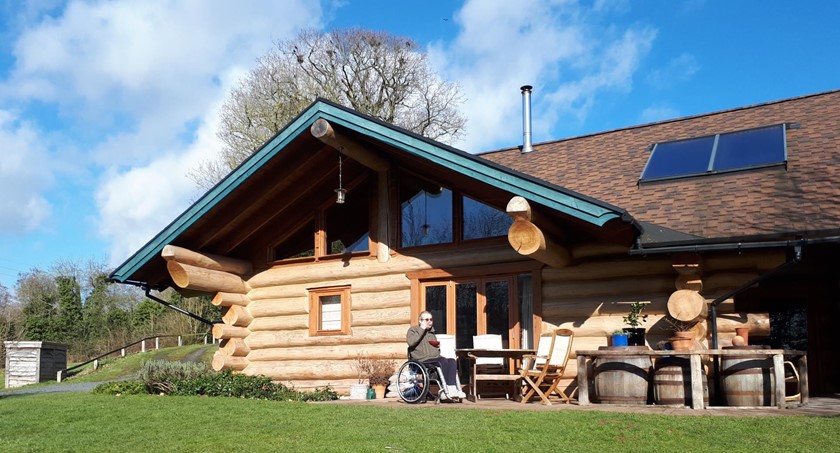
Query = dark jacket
x=419 y=347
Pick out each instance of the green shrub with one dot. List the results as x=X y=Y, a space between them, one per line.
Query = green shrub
x=160 y=376
x=121 y=388
x=324 y=394
x=233 y=385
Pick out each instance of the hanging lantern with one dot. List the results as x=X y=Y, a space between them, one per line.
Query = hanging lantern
x=341 y=192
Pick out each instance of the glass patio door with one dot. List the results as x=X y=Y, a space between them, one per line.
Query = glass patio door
x=467 y=307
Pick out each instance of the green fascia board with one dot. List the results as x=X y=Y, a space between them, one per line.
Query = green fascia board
x=214 y=195
x=459 y=161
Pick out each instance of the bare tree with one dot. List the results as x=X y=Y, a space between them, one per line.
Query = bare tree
x=375 y=73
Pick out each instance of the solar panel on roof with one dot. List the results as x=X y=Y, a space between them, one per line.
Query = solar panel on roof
x=717 y=153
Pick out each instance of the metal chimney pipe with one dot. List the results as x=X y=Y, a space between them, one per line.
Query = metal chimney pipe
x=526 y=119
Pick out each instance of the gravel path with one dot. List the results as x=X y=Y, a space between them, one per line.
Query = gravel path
x=57 y=388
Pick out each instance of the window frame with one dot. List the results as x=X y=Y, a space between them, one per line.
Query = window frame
x=315 y=321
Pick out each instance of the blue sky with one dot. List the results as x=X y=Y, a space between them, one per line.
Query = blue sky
x=105 y=106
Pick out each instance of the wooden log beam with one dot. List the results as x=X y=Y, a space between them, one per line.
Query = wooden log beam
x=295 y=338
x=228 y=362
x=518 y=208
x=528 y=240
x=226 y=332
x=323 y=130
x=687 y=306
x=197 y=278
x=206 y=260
x=294 y=370
x=235 y=347
x=393 y=351
x=237 y=316
x=609 y=270
x=223 y=299
x=625 y=287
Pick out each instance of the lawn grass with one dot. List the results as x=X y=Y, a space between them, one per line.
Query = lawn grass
x=90 y=423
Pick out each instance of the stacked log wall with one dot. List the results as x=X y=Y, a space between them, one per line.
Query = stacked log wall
x=591 y=298
x=279 y=343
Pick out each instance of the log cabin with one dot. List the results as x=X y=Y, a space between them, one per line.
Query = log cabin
x=331 y=238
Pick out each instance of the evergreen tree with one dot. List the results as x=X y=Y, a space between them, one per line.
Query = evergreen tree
x=69 y=318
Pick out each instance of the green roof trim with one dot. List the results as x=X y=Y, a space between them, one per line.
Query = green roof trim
x=554 y=197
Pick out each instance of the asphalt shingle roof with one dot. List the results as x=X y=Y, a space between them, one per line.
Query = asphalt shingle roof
x=801 y=197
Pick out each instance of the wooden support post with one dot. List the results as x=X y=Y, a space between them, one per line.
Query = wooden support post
x=58 y=376
x=157 y=343
x=803 y=379
x=779 y=375
x=143 y=346
x=180 y=342
x=697 y=378
x=583 y=381
x=95 y=365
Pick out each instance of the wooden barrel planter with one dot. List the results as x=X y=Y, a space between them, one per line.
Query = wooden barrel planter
x=622 y=379
x=672 y=382
x=747 y=380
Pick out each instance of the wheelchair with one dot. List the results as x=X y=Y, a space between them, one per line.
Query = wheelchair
x=415 y=379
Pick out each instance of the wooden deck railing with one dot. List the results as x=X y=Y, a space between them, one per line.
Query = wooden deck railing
x=122 y=350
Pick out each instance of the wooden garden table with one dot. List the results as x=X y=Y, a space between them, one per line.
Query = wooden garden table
x=584 y=358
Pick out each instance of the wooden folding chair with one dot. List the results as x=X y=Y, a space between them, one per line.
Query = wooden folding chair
x=546 y=368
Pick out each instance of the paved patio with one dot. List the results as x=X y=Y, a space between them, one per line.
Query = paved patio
x=823 y=406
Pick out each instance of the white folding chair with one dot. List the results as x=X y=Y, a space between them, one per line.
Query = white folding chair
x=489 y=341
x=447 y=345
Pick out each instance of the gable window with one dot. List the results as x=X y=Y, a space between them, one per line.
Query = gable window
x=431 y=214
x=330 y=229
x=426 y=216
x=483 y=221
x=329 y=311
x=734 y=151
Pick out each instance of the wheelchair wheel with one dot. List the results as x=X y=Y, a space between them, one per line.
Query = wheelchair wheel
x=412 y=382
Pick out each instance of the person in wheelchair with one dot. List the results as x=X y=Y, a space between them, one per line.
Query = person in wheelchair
x=423 y=346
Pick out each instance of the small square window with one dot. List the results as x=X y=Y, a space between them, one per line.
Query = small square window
x=329 y=311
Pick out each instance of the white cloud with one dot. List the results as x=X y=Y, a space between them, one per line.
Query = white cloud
x=143 y=67
x=679 y=69
x=504 y=45
x=136 y=204
x=137 y=84
x=25 y=173
x=658 y=113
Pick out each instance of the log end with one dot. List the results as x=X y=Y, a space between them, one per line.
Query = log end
x=179 y=275
x=686 y=305
x=525 y=237
x=321 y=128
x=225 y=362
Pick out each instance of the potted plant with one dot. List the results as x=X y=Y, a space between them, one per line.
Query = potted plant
x=378 y=373
x=682 y=335
x=619 y=338
x=634 y=319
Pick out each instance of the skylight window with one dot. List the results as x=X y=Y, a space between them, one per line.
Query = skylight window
x=754 y=148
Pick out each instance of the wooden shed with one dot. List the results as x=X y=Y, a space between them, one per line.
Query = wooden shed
x=512 y=243
x=31 y=362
